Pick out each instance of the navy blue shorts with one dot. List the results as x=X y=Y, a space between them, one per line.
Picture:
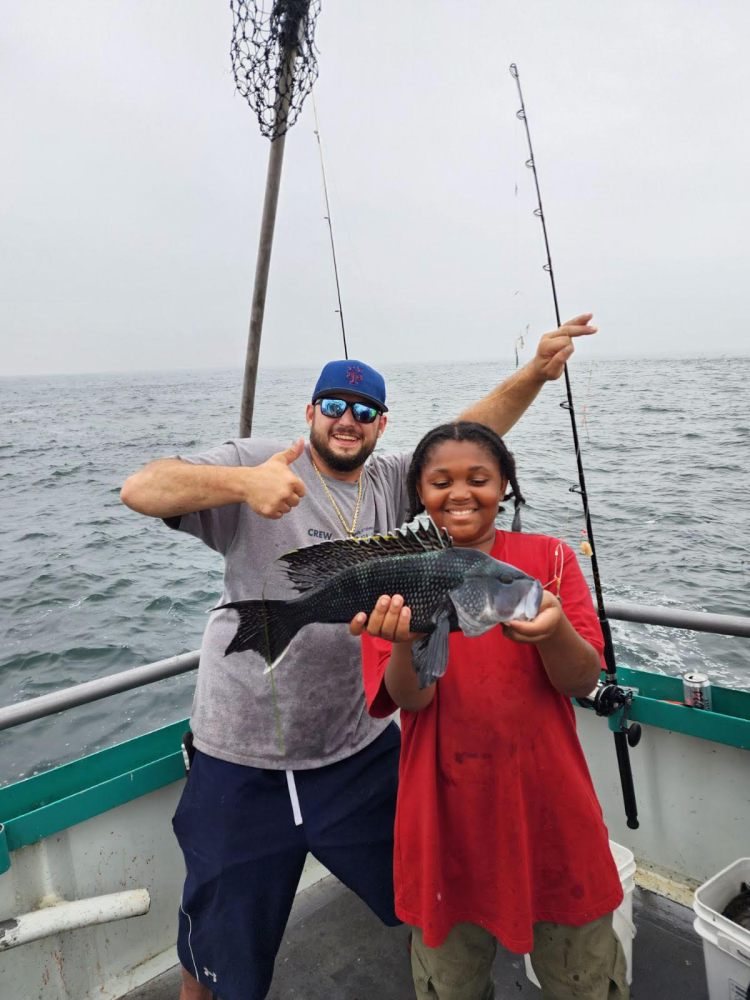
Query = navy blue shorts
x=244 y=852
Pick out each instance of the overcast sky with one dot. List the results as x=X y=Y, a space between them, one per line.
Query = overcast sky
x=132 y=175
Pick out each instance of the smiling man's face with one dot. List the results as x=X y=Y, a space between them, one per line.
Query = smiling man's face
x=341 y=443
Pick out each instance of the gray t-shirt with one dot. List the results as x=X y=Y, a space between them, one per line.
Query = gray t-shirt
x=310 y=710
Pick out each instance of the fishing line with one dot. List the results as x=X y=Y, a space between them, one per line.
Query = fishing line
x=278 y=724
x=609 y=698
x=518 y=301
x=327 y=218
x=520 y=342
x=585 y=411
x=582 y=541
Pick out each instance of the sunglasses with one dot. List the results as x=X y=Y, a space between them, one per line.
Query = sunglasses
x=336 y=408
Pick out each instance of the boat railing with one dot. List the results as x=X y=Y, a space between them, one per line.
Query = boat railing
x=693 y=621
x=150 y=673
x=102 y=687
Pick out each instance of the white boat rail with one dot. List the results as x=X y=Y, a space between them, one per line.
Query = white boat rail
x=53 y=916
x=102 y=687
x=149 y=673
x=694 y=621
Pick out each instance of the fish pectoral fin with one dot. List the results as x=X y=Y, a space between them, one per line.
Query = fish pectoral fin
x=463 y=599
x=430 y=654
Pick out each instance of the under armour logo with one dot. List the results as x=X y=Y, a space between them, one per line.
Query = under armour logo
x=210 y=975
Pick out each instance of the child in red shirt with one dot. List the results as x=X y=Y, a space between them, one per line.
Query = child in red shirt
x=499 y=835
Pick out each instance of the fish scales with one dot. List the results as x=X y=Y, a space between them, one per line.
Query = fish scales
x=423 y=581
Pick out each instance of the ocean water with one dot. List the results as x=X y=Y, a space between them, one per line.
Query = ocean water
x=88 y=588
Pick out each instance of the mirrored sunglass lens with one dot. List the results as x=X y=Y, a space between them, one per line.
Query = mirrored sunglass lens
x=363 y=413
x=332 y=407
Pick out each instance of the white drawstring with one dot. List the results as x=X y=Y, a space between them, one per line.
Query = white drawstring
x=294 y=799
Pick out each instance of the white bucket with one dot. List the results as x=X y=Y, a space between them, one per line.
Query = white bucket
x=622 y=920
x=726 y=945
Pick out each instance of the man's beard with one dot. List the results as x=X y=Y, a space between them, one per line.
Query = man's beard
x=340 y=463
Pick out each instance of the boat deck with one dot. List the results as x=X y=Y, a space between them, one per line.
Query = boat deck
x=335 y=949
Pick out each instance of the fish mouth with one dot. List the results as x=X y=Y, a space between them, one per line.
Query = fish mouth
x=528 y=607
x=518 y=602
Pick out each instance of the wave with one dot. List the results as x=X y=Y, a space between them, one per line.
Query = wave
x=88 y=587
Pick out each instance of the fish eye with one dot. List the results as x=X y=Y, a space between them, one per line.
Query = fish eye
x=506 y=578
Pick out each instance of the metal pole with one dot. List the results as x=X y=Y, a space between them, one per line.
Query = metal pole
x=265 y=245
x=273 y=182
x=694 y=621
x=70 y=915
x=100 y=687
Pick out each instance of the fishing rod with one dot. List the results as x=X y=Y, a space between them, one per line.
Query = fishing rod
x=609 y=697
x=327 y=217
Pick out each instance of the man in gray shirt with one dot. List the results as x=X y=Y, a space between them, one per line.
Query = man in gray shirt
x=289 y=762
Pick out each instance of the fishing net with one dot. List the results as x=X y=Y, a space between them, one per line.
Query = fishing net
x=273 y=58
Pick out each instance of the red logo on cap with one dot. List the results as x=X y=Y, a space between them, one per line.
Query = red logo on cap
x=354 y=375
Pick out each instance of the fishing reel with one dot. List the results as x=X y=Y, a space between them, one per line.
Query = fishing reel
x=606 y=699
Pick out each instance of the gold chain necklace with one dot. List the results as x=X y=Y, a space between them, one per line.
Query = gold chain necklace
x=349 y=530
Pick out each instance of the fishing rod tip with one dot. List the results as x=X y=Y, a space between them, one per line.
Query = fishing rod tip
x=513 y=70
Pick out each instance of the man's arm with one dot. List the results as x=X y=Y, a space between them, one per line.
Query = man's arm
x=502 y=407
x=170 y=487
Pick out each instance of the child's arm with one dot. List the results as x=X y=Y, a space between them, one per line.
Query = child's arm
x=572 y=664
x=391 y=619
x=502 y=407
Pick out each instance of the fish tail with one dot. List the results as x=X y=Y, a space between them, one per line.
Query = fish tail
x=266 y=627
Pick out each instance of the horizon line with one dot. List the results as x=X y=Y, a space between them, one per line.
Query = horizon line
x=689 y=356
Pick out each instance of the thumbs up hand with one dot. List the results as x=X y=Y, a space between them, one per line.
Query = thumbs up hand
x=273 y=489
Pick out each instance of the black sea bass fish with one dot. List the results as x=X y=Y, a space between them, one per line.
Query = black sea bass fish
x=446 y=587
x=738 y=908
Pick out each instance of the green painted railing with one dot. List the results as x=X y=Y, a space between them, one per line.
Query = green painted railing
x=47 y=803
x=659 y=703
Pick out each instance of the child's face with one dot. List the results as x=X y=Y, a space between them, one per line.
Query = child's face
x=461 y=487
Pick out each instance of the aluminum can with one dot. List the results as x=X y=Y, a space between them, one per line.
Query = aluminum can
x=696 y=691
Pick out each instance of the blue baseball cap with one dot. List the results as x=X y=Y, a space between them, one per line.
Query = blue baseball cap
x=352 y=376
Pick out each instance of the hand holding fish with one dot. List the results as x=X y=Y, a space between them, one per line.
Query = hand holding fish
x=571 y=663
x=540 y=628
x=556 y=347
x=390 y=619
x=274 y=489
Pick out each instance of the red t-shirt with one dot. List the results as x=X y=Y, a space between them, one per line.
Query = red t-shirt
x=497 y=822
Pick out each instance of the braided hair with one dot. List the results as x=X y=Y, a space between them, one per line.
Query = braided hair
x=464 y=430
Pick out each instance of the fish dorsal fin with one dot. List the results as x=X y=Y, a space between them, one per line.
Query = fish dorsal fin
x=306 y=568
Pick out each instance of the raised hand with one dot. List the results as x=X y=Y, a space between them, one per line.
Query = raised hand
x=554 y=348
